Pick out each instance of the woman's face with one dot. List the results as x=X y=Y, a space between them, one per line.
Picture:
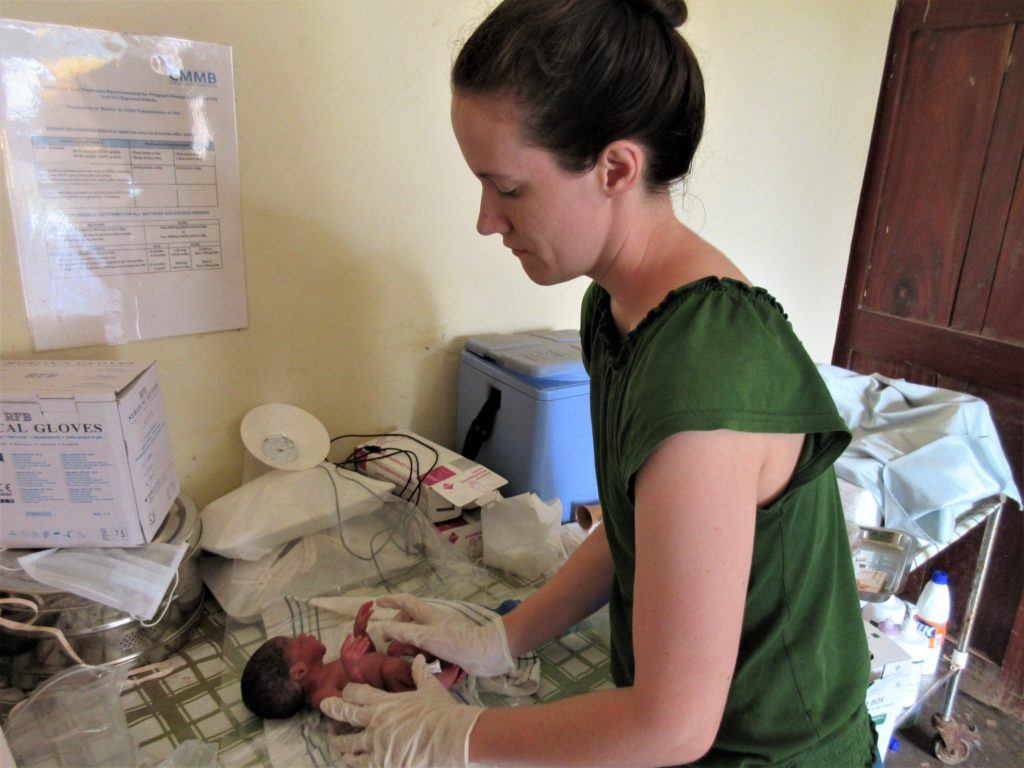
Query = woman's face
x=553 y=221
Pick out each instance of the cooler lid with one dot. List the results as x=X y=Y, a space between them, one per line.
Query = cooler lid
x=569 y=335
x=553 y=355
x=490 y=342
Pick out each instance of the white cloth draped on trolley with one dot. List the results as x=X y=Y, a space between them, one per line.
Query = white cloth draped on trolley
x=926 y=454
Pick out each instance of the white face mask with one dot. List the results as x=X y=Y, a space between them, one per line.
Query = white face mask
x=132 y=580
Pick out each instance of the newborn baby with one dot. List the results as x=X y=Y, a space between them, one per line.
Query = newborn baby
x=286 y=674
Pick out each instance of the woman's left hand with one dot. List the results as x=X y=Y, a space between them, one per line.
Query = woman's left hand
x=424 y=727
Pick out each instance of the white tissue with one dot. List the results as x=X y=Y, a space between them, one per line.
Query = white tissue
x=521 y=535
x=859 y=506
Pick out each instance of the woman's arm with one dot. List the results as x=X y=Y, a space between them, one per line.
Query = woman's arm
x=696 y=499
x=579 y=588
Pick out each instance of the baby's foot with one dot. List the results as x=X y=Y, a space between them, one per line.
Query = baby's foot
x=450 y=674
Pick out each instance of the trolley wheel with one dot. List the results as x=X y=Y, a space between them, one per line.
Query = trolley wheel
x=954 y=741
x=951 y=754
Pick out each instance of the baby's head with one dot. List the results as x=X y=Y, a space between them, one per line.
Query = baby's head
x=270 y=687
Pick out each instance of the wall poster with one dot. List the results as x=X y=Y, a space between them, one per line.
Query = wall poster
x=121 y=158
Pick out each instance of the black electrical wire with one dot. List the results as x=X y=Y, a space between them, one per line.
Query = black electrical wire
x=414 y=464
x=372 y=556
x=402 y=527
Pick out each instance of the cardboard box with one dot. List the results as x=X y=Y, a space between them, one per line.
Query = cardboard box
x=465 y=535
x=888 y=659
x=85 y=457
x=883 y=704
x=450 y=482
x=891 y=673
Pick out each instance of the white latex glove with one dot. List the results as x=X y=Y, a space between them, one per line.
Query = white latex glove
x=467 y=635
x=425 y=727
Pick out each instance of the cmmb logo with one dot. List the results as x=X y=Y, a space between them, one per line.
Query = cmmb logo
x=193 y=76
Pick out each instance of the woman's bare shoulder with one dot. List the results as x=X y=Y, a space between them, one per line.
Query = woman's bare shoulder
x=699 y=259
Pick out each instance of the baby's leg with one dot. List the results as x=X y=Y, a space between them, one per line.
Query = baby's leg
x=396 y=674
x=398 y=648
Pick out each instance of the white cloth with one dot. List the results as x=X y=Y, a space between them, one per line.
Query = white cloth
x=317 y=564
x=926 y=454
x=250 y=521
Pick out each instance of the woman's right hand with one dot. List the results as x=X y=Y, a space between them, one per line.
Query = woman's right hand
x=470 y=636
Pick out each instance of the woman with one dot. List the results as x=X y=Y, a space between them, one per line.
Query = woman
x=736 y=634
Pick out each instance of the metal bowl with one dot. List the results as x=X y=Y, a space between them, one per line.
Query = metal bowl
x=97 y=633
x=881 y=559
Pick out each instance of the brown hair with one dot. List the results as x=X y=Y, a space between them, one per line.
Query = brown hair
x=589 y=72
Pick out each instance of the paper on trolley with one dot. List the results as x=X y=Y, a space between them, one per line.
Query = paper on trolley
x=122 y=168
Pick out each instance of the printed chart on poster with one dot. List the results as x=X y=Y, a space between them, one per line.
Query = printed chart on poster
x=121 y=159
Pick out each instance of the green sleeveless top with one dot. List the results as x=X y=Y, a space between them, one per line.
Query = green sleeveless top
x=718 y=354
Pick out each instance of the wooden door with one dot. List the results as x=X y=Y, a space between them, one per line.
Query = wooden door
x=935 y=287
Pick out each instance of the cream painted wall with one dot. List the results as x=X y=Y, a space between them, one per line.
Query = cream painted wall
x=364 y=271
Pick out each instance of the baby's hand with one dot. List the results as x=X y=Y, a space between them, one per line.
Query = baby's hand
x=362 y=618
x=352 y=651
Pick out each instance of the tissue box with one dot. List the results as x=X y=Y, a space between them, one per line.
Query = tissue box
x=453 y=484
x=464 y=534
x=85 y=457
x=541 y=438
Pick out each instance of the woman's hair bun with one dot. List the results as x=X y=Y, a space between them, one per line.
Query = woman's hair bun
x=585 y=73
x=672 y=12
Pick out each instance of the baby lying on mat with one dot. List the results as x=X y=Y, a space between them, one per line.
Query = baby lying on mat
x=286 y=674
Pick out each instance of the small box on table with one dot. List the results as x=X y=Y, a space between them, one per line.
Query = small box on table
x=464 y=534
x=441 y=482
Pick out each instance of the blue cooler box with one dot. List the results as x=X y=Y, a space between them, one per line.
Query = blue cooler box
x=524 y=412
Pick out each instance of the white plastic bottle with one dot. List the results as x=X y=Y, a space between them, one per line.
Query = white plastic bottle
x=932 y=615
x=915 y=644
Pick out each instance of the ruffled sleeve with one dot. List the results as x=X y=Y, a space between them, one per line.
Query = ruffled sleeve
x=722 y=355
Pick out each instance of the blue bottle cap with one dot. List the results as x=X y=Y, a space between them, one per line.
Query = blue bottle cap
x=894 y=744
x=940 y=577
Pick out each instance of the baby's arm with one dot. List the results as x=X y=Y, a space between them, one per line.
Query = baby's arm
x=363 y=665
x=354 y=654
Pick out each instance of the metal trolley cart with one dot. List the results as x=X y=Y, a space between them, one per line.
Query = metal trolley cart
x=954 y=740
